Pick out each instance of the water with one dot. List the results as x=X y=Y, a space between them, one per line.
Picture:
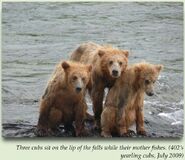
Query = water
x=35 y=36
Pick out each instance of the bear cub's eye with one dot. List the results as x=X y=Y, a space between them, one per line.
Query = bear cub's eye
x=74 y=78
x=120 y=63
x=147 y=82
x=111 y=62
x=83 y=78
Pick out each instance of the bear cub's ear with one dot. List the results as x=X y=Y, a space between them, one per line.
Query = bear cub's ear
x=126 y=53
x=159 y=67
x=101 y=53
x=137 y=70
x=65 y=65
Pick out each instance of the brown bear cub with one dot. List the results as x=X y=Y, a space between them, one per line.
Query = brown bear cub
x=124 y=102
x=108 y=64
x=64 y=99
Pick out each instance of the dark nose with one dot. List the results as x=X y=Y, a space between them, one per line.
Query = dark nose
x=150 y=94
x=78 y=89
x=114 y=72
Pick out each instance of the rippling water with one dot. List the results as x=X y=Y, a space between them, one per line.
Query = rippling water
x=35 y=36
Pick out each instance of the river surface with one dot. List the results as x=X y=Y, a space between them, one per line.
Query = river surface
x=36 y=36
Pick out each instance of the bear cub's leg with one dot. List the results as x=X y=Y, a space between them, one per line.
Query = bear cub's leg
x=108 y=121
x=97 y=98
x=55 y=118
x=140 y=122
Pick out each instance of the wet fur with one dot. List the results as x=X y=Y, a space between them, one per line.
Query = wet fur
x=60 y=104
x=124 y=102
x=98 y=56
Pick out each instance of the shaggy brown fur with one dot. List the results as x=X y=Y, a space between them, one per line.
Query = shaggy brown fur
x=108 y=64
x=63 y=101
x=124 y=102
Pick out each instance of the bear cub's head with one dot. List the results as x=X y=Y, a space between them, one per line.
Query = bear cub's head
x=147 y=76
x=113 y=61
x=77 y=75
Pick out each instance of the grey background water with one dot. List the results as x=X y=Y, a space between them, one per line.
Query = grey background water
x=36 y=36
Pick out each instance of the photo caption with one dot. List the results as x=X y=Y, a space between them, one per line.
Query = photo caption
x=132 y=152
